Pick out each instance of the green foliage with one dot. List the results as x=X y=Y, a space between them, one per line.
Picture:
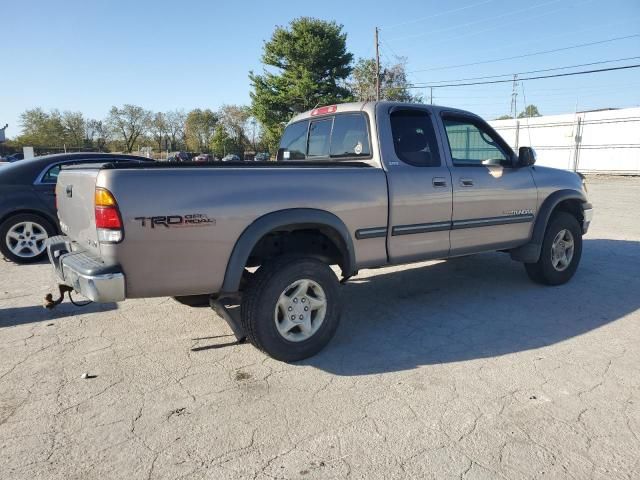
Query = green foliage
x=128 y=123
x=529 y=111
x=393 y=81
x=312 y=64
x=200 y=126
x=231 y=134
x=53 y=129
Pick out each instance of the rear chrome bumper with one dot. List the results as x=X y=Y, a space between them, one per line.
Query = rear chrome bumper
x=86 y=274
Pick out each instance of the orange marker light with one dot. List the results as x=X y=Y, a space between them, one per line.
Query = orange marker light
x=104 y=198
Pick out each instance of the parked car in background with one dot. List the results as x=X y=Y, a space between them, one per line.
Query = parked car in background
x=262 y=157
x=204 y=157
x=231 y=158
x=179 y=157
x=27 y=201
x=13 y=158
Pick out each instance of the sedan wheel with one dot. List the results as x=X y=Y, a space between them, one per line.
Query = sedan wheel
x=23 y=238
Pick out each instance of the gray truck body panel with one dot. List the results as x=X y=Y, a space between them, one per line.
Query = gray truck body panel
x=389 y=211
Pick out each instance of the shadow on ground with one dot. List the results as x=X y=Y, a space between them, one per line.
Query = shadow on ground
x=37 y=313
x=476 y=307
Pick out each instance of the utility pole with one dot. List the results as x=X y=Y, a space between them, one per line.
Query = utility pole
x=377 y=67
x=514 y=96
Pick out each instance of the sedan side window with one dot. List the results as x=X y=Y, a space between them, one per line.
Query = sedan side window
x=52 y=175
x=472 y=145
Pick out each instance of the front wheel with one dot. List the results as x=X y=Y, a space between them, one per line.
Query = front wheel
x=291 y=307
x=560 y=253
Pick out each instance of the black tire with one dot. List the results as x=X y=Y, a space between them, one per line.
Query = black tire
x=196 y=301
x=262 y=294
x=543 y=271
x=5 y=246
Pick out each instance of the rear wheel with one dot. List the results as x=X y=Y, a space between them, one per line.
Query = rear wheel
x=560 y=253
x=291 y=307
x=23 y=236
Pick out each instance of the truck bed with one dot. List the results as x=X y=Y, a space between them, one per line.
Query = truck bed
x=162 y=259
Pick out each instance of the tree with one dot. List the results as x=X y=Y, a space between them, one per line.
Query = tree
x=312 y=64
x=199 y=128
x=41 y=129
x=97 y=134
x=529 y=111
x=393 y=81
x=505 y=117
x=128 y=123
x=222 y=143
x=159 y=129
x=235 y=120
x=175 y=127
x=74 y=126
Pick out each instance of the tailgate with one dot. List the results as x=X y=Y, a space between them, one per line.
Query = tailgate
x=75 y=191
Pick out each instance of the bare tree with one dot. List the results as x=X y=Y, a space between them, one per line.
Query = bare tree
x=159 y=129
x=128 y=123
x=74 y=127
x=97 y=133
x=175 y=121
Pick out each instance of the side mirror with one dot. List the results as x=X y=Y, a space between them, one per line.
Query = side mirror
x=526 y=156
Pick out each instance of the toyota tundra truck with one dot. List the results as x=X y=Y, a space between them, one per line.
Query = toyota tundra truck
x=354 y=186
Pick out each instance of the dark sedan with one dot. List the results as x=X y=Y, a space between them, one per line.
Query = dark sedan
x=27 y=201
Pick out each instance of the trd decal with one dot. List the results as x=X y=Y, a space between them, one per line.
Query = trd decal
x=171 y=221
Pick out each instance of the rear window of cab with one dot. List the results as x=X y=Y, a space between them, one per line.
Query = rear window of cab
x=339 y=136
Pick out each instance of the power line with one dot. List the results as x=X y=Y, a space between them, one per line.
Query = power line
x=537 y=71
x=416 y=20
x=583 y=72
x=475 y=22
x=542 y=52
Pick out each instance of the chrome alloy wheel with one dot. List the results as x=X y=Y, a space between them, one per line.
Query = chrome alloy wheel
x=562 y=250
x=26 y=239
x=300 y=310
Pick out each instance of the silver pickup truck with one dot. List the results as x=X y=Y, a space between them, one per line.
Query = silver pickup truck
x=355 y=186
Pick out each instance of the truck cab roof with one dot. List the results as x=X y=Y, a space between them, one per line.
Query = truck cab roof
x=370 y=107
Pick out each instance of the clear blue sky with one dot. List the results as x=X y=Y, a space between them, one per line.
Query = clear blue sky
x=88 y=56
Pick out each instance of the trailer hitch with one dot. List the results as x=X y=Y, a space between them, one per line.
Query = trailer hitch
x=50 y=303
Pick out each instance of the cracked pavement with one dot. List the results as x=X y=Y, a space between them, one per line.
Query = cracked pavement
x=459 y=369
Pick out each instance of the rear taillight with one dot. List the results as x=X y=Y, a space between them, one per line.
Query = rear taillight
x=108 y=221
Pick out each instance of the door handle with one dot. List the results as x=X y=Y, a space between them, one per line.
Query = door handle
x=466 y=182
x=439 y=182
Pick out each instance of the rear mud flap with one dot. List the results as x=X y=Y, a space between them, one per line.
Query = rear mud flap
x=229 y=310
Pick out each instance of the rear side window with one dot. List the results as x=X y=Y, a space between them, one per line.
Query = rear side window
x=335 y=137
x=414 y=138
x=293 y=144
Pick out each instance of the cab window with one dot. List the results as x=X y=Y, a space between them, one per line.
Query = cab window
x=414 y=138
x=319 y=138
x=293 y=145
x=341 y=136
x=471 y=144
x=350 y=137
